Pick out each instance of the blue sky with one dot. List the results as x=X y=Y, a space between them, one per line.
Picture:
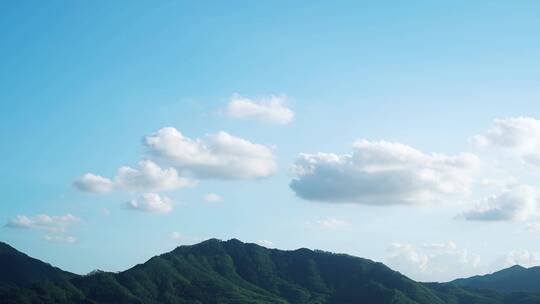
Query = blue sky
x=82 y=85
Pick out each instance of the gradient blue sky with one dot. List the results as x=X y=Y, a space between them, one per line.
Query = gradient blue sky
x=82 y=82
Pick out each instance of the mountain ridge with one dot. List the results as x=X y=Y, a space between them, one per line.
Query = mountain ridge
x=216 y=271
x=20 y=269
x=513 y=279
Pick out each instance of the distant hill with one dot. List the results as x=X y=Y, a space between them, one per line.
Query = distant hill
x=513 y=279
x=215 y=271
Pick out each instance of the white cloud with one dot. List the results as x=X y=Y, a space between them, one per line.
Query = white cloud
x=221 y=155
x=43 y=222
x=147 y=177
x=93 y=183
x=329 y=223
x=433 y=262
x=446 y=261
x=517 y=135
x=382 y=173
x=516 y=204
x=60 y=239
x=151 y=202
x=212 y=198
x=265 y=243
x=150 y=177
x=500 y=183
x=267 y=109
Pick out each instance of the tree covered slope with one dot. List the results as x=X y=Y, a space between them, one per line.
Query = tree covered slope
x=234 y=272
x=513 y=279
x=18 y=269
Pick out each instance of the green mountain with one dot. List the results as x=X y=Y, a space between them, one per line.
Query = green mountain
x=234 y=272
x=513 y=279
x=18 y=269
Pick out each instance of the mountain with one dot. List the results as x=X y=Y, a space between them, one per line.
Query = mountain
x=217 y=271
x=18 y=269
x=234 y=272
x=513 y=279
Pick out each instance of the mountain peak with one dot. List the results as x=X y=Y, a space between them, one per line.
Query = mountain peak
x=234 y=241
x=512 y=279
x=516 y=267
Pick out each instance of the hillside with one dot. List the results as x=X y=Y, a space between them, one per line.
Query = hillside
x=18 y=269
x=513 y=279
x=234 y=272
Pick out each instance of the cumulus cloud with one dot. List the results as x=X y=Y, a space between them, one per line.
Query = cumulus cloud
x=517 y=135
x=265 y=243
x=220 y=155
x=212 y=198
x=148 y=176
x=60 y=239
x=151 y=202
x=382 y=173
x=516 y=204
x=433 y=262
x=267 y=109
x=92 y=183
x=43 y=222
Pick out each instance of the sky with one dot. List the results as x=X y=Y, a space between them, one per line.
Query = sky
x=404 y=132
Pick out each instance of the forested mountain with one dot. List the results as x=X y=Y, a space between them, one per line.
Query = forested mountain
x=513 y=279
x=16 y=268
x=215 y=271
